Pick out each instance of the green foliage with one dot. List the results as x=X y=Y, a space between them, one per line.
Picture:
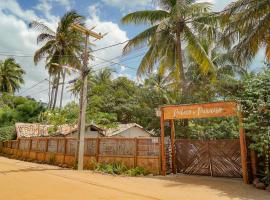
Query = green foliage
x=255 y=100
x=11 y=76
x=137 y=171
x=18 y=109
x=7 y=133
x=111 y=168
x=212 y=128
x=118 y=168
x=68 y=115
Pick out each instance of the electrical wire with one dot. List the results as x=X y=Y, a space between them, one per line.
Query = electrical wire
x=32 y=86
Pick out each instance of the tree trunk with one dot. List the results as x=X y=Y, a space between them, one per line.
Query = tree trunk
x=183 y=85
x=180 y=61
x=49 y=94
x=56 y=90
x=63 y=86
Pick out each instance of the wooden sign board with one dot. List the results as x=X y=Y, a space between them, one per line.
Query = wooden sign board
x=217 y=109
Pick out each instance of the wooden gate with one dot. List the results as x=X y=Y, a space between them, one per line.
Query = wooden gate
x=221 y=158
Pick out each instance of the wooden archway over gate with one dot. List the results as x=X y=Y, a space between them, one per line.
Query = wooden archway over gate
x=206 y=110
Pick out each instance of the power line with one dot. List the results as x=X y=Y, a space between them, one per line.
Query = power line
x=45 y=90
x=120 y=63
x=32 y=86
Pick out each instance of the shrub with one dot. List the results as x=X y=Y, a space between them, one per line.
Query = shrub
x=118 y=168
x=137 y=171
x=111 y=168
x=7 y=133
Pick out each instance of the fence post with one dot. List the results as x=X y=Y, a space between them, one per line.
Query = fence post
x=65 y=150
x=29 y=147
x=57 y=145
x=135 y=152
x=97 y=148
x=253 y=159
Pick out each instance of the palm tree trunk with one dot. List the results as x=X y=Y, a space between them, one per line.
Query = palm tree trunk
x=49 y=94
x=56 y=90
x=180 y=60
x=63 y=86
x=181 y=68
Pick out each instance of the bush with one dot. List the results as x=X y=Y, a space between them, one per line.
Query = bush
x=118 y=168
x=137 y=171
x=111 y=168
x=7 y=133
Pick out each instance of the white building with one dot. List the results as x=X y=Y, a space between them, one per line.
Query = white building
x=131 y=130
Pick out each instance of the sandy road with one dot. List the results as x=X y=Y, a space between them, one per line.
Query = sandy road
x=29 y=181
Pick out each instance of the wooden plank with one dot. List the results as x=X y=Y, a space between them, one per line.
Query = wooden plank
x=97 y=148
x=135 y=151
x=253 y=159
x=243 y=147
x=162 y=145
x=206 y=110
x=173 y=146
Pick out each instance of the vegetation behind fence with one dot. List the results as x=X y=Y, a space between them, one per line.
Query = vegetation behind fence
x=133 y=152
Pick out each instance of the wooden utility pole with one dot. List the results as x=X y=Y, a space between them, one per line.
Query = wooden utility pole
x=83 y=93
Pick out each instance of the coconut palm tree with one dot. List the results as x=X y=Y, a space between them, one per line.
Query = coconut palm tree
x=247 y=29
x=11 y=76
x=104 y=76
x=217 y=83
x=61 y=47
x=179 y=23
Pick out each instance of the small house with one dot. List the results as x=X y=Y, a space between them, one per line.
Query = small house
x=131 y=130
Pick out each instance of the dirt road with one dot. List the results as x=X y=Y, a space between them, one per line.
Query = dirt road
x=29 y=181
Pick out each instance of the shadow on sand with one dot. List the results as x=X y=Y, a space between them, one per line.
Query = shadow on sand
x=232 y=188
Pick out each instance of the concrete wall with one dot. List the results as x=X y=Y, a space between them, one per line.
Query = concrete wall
x=133 y=132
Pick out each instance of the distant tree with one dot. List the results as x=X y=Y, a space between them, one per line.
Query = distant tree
x=18 y=109
x=11 y=76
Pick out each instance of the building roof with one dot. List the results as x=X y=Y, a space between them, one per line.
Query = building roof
x=122 y=127
x=41 y=130
x=93 y=128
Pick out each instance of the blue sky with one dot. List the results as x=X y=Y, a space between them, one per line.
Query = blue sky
x=16 y=38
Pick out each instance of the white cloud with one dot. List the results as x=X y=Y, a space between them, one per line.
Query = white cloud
x=127 y=4
x=14 y=8
x=17 y=38
x=114 y=35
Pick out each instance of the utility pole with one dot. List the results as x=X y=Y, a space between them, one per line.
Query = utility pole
x=83 y=92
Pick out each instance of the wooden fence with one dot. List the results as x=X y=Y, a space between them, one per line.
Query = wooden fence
x=143 y=152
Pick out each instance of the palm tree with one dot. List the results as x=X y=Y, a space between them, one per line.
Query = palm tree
x=247 y=30
x=104 y=76
x=163 y=85
x=217 y=83
x=11 y=76
x=61 y=48
x=180 y=22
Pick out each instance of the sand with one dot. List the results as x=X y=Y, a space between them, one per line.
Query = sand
x=30 y=181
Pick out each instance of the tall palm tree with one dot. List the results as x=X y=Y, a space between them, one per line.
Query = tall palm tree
x=179 y=23
x=11 y=76
x=62 y=47
x=247 y=29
